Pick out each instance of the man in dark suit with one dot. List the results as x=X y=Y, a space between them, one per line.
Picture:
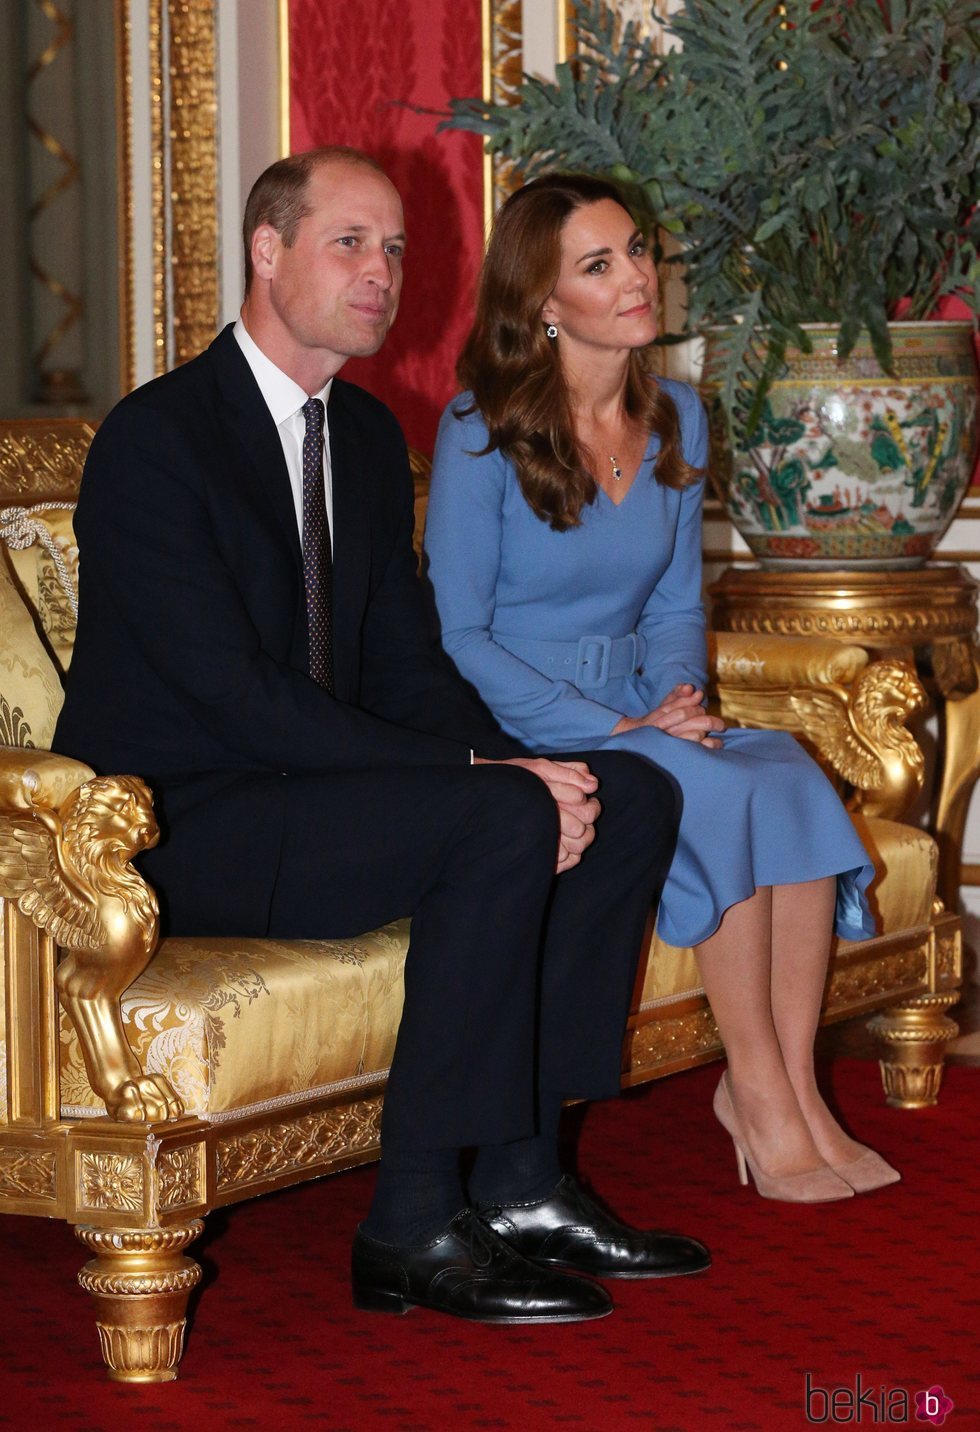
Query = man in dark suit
x=253 y=640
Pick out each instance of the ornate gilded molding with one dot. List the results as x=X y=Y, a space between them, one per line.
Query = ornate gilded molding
x=882 y=627
x=949 y=958
x=124 y=199
x=43 y=457
x=852 y=986
x=313 y=1140
x=871 y=608
x=193 y=174
x=915 y=1033
x=669 y=1041
x=158 y=188
x=140 y=1283
x=28 y=1173
x=128 y=1351
x=503 y=65
x=181 y=1177
x=184 y=125
x=109 y=1182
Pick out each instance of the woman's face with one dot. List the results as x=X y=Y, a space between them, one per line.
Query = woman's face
x=605 y=297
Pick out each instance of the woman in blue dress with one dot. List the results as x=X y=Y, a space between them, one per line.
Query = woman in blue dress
x=564 y=547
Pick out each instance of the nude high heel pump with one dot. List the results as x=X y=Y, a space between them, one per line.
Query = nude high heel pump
x=867 y=1172
x=818 y=1185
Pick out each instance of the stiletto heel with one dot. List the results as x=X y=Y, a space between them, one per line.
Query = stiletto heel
x=867 y=1172
x=819 y=1185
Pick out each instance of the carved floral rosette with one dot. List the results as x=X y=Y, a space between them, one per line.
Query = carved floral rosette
x=849 y=466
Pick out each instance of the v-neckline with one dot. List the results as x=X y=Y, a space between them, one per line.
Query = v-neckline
x=636 y=476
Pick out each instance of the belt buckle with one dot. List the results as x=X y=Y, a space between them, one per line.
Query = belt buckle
x=592 y=668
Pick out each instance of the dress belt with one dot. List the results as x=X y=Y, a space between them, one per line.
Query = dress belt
x=589 y=662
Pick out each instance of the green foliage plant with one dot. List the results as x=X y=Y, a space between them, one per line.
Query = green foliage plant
x=816 y=165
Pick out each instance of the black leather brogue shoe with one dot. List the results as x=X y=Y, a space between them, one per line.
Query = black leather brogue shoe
x=469 y=1272
x=569 y=1229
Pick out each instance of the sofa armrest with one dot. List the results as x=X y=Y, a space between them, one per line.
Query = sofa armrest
x=66 y=840
x=753 y=661
x=852 y=712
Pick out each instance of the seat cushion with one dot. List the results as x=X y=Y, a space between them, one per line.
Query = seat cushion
x=244 y=1025
x=901 y=895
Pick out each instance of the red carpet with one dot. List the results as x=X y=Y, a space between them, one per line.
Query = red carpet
x=885 y=1287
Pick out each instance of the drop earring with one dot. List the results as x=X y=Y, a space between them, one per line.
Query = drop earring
x=552 y=330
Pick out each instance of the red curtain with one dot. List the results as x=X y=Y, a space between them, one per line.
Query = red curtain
x=350 y=64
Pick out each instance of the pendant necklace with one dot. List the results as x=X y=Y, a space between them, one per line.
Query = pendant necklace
x=616 y=469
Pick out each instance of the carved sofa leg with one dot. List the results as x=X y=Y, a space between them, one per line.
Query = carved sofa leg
x=915 y=1034
x=140 y=1283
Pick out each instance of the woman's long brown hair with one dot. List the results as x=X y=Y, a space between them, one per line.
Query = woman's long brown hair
x=513 y=370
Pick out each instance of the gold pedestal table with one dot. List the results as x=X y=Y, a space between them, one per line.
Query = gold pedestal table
x=927 y=617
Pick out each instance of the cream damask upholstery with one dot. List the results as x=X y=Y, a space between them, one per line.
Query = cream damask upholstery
x=240 y=1027
x=40 y=542
x=30 y=688
x=277 y=1051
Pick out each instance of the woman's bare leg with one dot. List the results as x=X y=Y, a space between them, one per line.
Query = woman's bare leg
x=802 y=923
x=736 y=969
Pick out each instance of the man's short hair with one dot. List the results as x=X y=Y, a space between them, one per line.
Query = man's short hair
x=279 y=195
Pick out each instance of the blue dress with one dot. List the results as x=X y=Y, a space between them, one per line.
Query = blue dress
x=562 y=633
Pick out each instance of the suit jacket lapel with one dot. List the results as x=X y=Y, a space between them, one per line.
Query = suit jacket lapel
x=351 y=544
x=262 y=468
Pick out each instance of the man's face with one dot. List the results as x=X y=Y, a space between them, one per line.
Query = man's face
x=336 y=289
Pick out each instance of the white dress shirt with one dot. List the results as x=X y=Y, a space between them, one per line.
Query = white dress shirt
x=285 y=400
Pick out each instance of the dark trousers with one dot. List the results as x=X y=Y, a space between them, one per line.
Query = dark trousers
x=514 y=980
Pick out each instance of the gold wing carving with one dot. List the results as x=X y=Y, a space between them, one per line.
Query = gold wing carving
x=866 y=739
x=825 y=720
x=68 y=871
x=32 y=875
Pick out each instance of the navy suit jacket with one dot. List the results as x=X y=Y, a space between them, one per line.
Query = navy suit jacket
x=190 y=665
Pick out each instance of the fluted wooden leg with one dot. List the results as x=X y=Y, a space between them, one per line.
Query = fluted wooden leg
x=915 y=1033
x=140 y=1283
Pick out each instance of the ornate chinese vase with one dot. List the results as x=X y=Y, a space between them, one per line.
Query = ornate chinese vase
x=849 y=466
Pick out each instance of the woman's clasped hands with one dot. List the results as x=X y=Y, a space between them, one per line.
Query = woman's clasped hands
x=681 y=713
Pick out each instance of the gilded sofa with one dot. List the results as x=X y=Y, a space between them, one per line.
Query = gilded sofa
x=143 y=1084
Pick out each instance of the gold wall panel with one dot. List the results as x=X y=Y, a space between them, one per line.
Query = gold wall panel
x=124 y=197
x=503 y=66
x=184 y=137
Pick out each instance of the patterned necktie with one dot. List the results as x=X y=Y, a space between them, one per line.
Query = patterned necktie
x=317 y=560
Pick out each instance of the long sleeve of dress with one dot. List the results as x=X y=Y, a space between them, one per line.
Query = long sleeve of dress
x=463 y=537
x=672 y=620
